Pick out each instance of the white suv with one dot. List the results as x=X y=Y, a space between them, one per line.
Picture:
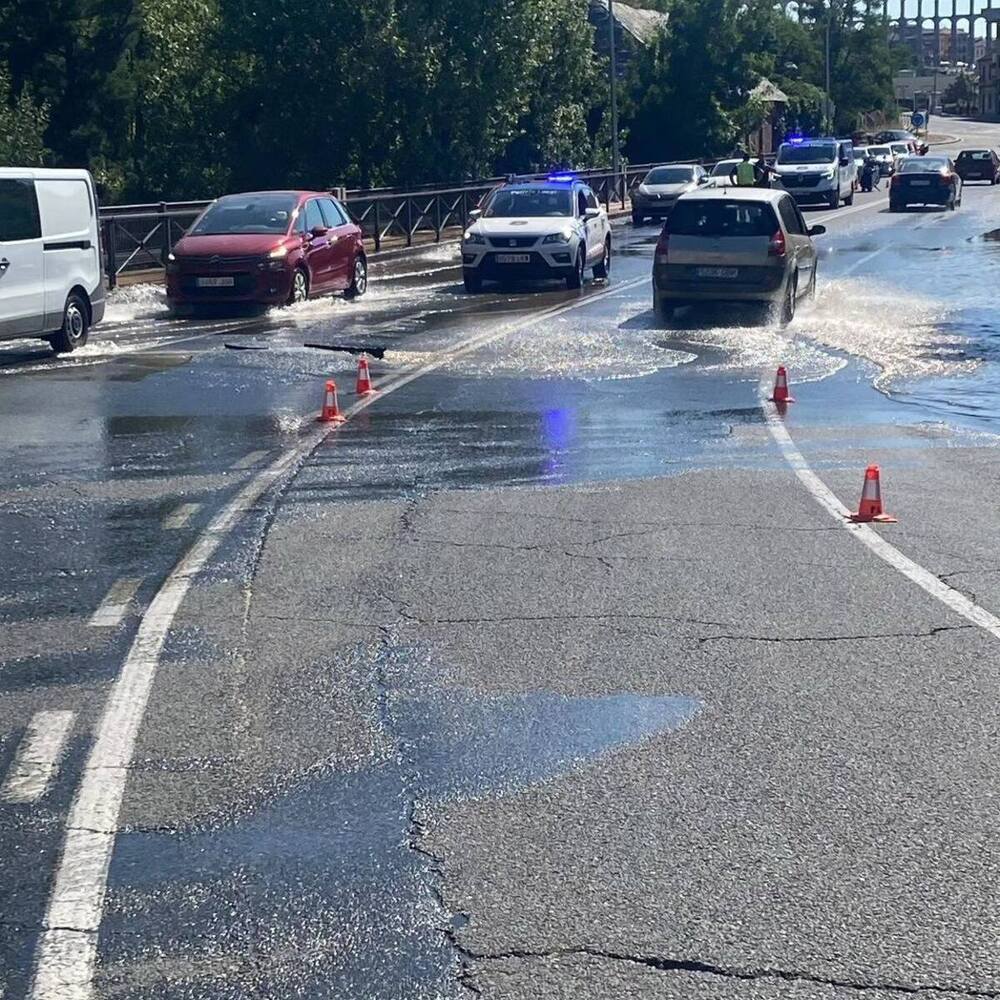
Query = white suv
x=554 y=228
x=818 y=171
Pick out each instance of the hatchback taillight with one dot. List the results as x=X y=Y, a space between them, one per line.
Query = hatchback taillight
x=777 y=248
x=663 y=248
x=896 y=180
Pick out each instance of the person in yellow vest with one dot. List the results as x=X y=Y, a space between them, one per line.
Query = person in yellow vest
x=744 y=174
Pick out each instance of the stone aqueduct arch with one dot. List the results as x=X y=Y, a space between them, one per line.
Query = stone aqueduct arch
x=969 y=16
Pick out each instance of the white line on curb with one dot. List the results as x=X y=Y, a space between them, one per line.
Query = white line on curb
x=115 y=605
x=825 y=497
x=37 y=757
x=179 y=518
x=68 y=944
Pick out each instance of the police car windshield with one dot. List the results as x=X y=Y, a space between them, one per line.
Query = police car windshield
x=243 y=213
x=531 y=202
x=717 y=217
x=825 y=153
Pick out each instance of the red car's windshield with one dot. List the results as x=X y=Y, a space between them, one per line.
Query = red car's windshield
x=238 y=214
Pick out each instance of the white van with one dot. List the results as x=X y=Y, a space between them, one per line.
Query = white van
x=51 y=283
x=818 y=171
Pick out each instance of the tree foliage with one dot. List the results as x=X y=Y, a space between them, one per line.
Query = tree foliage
x=165 y=99
x=22 y=125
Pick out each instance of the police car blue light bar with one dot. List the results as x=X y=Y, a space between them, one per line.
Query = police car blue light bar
x=562 y=178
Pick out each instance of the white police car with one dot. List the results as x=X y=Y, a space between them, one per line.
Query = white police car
x=554 y=228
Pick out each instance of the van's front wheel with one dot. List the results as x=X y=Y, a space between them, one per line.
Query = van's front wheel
x=75 y=326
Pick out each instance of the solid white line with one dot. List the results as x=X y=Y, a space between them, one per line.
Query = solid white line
x=68 y=944
x=825 y=497
x=179 y=518
x=37 y=757
x=115 y=605
x=248 y=460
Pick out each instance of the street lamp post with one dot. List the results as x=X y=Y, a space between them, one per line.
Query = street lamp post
x=615 y=154
x=828 y=125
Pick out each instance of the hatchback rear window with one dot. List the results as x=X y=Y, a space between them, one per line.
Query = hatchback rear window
x=922 y=165
x=974 y=154
x=719 y=217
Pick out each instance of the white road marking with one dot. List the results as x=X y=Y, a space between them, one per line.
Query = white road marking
x=115 y=605
x=37 y=758
x=825 y=497
x=249 y=460
x=180 y=517
x=68 y=946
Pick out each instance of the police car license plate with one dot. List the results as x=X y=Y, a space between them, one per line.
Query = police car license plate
x=513 y=258
x=718 y=272
x=216 y=282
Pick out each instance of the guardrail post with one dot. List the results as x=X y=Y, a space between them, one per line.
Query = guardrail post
x=409 y=222
x=378 y=227
x=110 y=256
x=437 y=218
x=164 y=233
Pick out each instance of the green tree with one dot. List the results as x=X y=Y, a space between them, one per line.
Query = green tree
x=961 y=92
x=22 y=126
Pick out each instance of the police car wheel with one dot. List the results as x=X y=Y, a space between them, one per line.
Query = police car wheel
x=603 y=269
x=575 y=280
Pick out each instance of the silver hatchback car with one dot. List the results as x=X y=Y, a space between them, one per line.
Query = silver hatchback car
x=735 y=245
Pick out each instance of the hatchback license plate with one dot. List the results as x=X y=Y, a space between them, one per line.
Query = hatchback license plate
x=513 y=258
x=921 y=183
x=718 y=272
x=216 y=282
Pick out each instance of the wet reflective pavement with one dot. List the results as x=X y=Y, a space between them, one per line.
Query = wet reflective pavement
x=497 y=682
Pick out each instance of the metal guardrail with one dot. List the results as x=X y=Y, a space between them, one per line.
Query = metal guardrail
x=139 y=237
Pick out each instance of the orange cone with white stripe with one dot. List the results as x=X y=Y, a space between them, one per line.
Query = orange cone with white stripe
x=870 y=508
x=330 y=414
x=364 y=386
x=781 y=393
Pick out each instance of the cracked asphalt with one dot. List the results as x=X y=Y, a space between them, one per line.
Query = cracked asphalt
x=541 y=677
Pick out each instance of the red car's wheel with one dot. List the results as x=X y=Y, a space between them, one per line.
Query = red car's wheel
x=299 y=291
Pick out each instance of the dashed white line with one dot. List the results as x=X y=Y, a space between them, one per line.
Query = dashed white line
x=37 y=757
x=68 y=945
x=247 y=461
x=888 y=553
x=179 y=518
x=116 y=603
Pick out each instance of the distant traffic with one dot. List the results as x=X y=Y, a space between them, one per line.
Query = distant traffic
x=273 y=248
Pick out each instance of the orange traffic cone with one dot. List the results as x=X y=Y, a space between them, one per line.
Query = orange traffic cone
x=871 y=500
x=781 y=393
x=364 y=386
x=330 y=414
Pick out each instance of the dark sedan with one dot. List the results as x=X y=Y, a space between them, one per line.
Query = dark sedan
x=978 y=165
x=925 y=180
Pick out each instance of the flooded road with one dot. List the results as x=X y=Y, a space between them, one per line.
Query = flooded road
x=540 y=676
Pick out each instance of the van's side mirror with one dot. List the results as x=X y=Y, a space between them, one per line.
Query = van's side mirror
x=592 y=213
x=817 y=230
x=319 y=231
x=475 y=213
x=703 y=179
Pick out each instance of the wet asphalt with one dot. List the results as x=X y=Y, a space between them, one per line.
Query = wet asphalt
x=542 y=676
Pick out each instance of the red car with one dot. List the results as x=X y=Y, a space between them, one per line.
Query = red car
x=269 y=247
